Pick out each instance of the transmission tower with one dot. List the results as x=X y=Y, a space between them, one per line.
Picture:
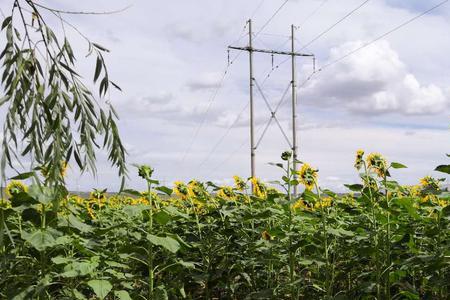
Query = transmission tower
x=293 y=85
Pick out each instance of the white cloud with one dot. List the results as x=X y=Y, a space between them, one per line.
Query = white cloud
x=375 y=81
x=164 y=56
x=205 y=81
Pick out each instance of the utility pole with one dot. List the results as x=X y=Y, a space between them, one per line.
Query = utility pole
x=293 y=55
x=252 y=119
x=294 y=107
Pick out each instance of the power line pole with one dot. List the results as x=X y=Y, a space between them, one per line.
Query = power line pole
x=294 y=106
x=252 y=120
x=294 y=55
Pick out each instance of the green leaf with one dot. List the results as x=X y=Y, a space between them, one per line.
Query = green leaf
x=101 y=287
x=168 y=243
x=408 y=204
x=165 y=190
x=187 y=264
x=443 y=169
x=277 y=165
x=309 y=196
x=23 y=176
x=175 y=212
x=81 y=268
x=132 y=192
x=59 y=260
x=74 y=222
x=39 y=239
x=42 y=194
x=98 y=68
x=160 y=293
x=354 y=187
x=100 y=47
x=397 y=165
x=115 y=85
x=6 y=22
x=305 y=262
x=122 y=295
x=4 y=99
x=162 y=217
x=339 y=232
x=134 y=210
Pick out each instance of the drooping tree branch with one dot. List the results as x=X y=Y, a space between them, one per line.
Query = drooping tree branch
x=52 y=116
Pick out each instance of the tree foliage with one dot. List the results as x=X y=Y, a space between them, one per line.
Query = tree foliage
x=51 y=114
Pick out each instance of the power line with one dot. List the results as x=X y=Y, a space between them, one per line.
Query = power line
x=257 y=8
x=335 y=24
x=275 y=34
x=382 y=36
x=223 y=78
x=208 y=108
x=302 y=84
x=271 y=18
x=244 y=32
x=232 y=154
x=313 y=13
x=238 y=117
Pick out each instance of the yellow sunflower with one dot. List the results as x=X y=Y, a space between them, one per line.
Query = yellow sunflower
x=259 y=189
x=239 y=183
x=181 y=189
x=377 y=163
x=227 y=193
x=324 y=203
x=429 y=182
x=359 y=159
x=300 y=205
x=15 y=187
x=307 y=176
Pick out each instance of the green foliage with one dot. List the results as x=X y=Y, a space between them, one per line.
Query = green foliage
x=382 y=240
x=52 y=116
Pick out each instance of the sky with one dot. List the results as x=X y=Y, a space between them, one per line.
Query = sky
x=176 y=106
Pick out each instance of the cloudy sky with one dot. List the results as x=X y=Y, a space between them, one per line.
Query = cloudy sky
x=177 y=107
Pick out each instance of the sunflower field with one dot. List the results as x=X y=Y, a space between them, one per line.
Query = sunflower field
x=252 y=240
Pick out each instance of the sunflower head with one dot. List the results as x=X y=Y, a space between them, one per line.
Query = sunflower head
x=259 y=188
x=15 y=187
x=300 y=205
x=324 y=203
x=359 y=161
x=76 y=200
x=286 y=155
x=307 y=176
x=98 y=195
x=145 y=172
x=181 y=189
x=227 y=193
x=239 y=183
x=196 y=189
x=266 y=236
x=430 y=183
x=377 y=163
